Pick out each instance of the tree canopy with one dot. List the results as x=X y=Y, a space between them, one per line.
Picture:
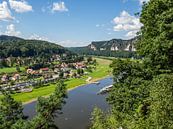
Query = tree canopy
x=11 y=115
x=142 y=95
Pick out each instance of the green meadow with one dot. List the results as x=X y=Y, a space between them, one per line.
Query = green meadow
x=10 y=70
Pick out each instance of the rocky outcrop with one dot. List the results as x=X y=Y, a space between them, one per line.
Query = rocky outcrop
x=113 y=45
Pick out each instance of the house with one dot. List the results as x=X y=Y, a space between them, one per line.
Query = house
x=29 y=71
x=56 y=70
x=80 y=66
x=5 y=78
x=42 y=70
x=56 y=57
x=15 y=77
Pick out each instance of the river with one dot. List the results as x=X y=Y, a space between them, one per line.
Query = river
x=79 y=105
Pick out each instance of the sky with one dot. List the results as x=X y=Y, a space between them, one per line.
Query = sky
x=70 y=23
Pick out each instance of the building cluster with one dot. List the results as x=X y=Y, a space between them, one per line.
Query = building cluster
x=64 y=69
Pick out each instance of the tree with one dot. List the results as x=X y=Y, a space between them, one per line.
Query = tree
x=142 y=94
x=48 y=108
x=156 y=39
x=61 y=74
x=11 y=116
x=89 y=59
x=161 y=103
x=98 y=119
x=18 y=69
x=10 y=111
x=4 y=63
x=80 y=71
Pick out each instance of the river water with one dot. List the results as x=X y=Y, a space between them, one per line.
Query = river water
x=79 y=105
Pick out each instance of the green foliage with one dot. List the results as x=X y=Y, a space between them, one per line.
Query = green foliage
x=161 y=108
x=107 y=45
x=142 y=96
x=30 y=48
x=11 y=116
x=156 y=41
x=107 y=53
x=102 y=121
x=48 y=107
x=61 y=74
x=98 y=119
x=80 y=71
x=10 y=111
x=18 y=69
x=89 y=59
x=130 y=90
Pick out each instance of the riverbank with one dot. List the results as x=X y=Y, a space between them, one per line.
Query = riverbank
x=102 y=71
x=79 y=105
x=70 y=89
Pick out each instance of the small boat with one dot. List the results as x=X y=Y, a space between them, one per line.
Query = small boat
x=96 y=83
x=89 y=79
x=105 y=89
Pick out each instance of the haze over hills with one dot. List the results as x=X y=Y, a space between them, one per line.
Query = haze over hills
x=18 y=47
x=114 y=47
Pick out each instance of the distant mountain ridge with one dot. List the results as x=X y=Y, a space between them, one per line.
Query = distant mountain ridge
x=114 y=48
x=9 y=38
x=114 y=45
x=18 y=47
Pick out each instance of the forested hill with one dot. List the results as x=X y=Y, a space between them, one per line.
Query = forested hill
x=18 y=47
x=114 y=47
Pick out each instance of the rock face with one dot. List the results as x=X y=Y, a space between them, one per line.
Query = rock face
x=113 y=45
x=93 y=47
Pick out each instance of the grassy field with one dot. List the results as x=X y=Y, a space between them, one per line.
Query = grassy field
x=102 y=71
x=10 y=70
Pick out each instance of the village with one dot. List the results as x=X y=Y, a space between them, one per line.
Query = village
x=27 y=79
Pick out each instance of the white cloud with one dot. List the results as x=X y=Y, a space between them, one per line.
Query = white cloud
x=5 y=13
x=59 y=6
x=131 y=34
x=38 y=37
x=126 y=22
x=20 y=6
x=11 y=31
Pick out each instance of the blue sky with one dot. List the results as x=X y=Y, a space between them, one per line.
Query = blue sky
x=70 y=22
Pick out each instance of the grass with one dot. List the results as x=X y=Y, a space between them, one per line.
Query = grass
x=101 y=71
x=45 y=91
x=10 y=70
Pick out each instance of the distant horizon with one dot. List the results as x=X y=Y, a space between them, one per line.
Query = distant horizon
x=65 y=46
x=70 y=23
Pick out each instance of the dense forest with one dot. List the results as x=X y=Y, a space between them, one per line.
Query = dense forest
x=108 y=53
x=142 y=96
x=17 y=47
